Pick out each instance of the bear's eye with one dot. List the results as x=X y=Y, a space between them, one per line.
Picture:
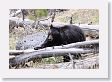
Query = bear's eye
x=62 y=30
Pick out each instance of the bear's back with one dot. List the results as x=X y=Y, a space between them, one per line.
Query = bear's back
x=71 y=34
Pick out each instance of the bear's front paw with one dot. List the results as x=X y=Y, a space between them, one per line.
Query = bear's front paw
x=36 y=48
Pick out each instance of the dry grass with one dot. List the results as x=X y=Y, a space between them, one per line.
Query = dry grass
x=83 y=16
x=79 y=16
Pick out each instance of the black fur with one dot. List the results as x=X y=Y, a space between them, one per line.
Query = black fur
x=63 y=35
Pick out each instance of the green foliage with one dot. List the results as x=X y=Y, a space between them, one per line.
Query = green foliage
x=52 y=60
x=41 y=12
x=38 y=13
x=31 y=17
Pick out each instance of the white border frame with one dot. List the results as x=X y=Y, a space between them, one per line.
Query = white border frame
x=102 y=72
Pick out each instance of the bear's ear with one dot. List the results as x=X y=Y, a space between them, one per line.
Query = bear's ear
x=51 y=26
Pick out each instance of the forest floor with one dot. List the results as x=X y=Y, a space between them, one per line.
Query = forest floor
x=83 y=16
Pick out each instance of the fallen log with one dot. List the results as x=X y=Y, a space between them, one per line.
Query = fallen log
x=14 y=21
x=48 y=53
x=47 y=22
x=55 y=51
x=84 y=44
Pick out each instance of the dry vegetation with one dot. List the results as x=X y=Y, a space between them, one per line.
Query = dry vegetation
x=83 y=16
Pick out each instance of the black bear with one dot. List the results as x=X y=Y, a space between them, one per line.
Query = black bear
x=63 y=35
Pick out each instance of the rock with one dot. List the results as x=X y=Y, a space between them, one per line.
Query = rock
x=31 y=41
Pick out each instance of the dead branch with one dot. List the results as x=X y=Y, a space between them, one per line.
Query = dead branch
x=19 y=52
x=16 y=13
x=72 y=45
x=49 y=52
